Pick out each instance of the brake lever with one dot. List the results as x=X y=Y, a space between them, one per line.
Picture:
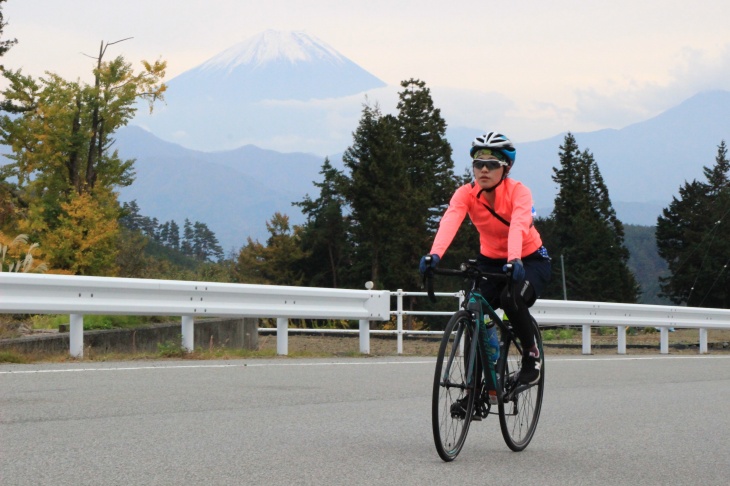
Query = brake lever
x=428 y=283
x=510 y=284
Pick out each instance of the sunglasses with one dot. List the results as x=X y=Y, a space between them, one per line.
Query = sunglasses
x=489 y=164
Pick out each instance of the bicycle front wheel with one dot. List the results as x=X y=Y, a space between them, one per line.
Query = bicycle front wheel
x=519 y=407
x=453 y=397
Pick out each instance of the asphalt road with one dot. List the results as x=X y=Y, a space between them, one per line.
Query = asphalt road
x=649 y=420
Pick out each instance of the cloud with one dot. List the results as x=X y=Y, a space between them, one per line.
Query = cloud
x=696 y=71
x=470 y=108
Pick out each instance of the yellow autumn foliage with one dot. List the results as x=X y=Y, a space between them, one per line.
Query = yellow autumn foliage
x=84 y=241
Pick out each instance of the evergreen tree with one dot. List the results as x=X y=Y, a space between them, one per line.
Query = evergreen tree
x=427 y=154
x=693 y=237
x=372 y=221
x=427 y=157
x=163 y=233
x=376 y=191
x=205 y=243
x=325 y=234
x=587 y=233
x=173 y=238
x=130 y=216
x=186 y=246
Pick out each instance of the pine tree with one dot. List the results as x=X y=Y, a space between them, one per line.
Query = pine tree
x=427 y=157
x=173 y=239
x=427 y=154
x=693 y=236
x=376 y=191
x=186 y=245
x=325 y=234
x=205 y=243
x=586 y=231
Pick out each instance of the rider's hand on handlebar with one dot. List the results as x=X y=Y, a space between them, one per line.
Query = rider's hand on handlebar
x=428 y=261
x=518 y=270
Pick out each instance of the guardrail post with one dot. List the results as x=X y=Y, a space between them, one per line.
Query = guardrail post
x=364 y=336
x=703 y=341
x=282 y=336
x=399 y=320
x=76 y=335
x=188 y=333
x=664 y=340
x=621 y=332
x=586 y=339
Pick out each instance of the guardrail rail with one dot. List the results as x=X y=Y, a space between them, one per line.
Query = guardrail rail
x=79 y=295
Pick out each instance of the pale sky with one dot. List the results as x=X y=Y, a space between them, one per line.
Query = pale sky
x=534 y=67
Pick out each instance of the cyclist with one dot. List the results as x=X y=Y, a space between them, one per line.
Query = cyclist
x=502 y=211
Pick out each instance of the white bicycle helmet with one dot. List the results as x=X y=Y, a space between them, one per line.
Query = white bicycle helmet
x=497 y=142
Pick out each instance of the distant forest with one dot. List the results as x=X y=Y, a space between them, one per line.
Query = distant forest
x=645 y=262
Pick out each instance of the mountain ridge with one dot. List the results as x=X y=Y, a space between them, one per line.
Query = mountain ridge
x=639 y=184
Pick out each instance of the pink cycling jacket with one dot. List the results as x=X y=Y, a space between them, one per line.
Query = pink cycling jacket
x=513 y=203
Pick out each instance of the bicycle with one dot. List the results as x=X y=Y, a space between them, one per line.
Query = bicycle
x=464 y=390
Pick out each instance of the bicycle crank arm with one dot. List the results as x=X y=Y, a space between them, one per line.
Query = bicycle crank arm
x=508 y=396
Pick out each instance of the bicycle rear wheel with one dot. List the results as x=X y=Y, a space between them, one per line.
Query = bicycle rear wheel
x=450 y=420
x=519 y=407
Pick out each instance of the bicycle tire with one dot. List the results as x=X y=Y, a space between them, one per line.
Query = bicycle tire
x=450 y=384
x=520 y=412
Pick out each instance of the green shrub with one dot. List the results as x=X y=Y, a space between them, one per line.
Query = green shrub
x=171 y=349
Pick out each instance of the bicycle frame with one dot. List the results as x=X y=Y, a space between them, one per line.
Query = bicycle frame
x=490 y=371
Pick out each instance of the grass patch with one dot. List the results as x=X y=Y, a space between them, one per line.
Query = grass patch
x=10 y=357
x=94 y=322
x=563 y=334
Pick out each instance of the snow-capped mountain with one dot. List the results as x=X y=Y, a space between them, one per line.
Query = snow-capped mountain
x=275 y=85
x=273 y=66
x=272 y=46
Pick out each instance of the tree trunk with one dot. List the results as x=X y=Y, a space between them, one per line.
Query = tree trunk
x=73 y=160
x=90 y=161
x=333 y=267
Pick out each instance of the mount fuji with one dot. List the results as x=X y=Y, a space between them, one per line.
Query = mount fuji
x=273 y=86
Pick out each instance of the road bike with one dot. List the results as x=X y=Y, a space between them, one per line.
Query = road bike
x=472 y=378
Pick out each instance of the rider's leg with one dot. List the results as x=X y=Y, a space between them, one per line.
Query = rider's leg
x=516 y=301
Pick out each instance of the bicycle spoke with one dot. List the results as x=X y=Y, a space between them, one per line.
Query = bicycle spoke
x=520 y=408
x=452 y=405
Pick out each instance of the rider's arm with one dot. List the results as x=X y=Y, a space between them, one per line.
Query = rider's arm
x=451 y=220
x=520 y=222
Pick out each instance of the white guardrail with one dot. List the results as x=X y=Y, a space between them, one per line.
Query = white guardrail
x=78 y=295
